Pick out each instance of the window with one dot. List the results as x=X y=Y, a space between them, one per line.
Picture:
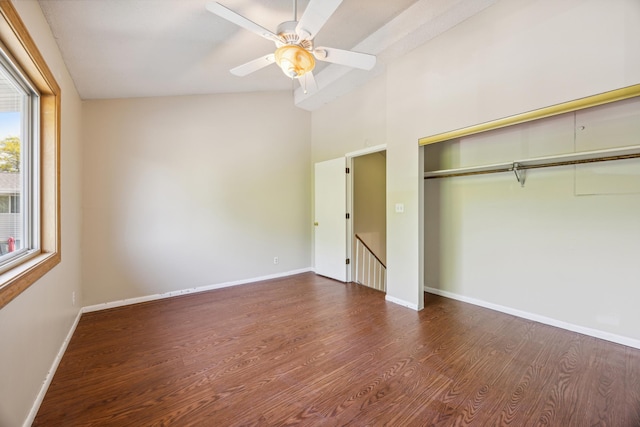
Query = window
x=29 y=160
x=10 y=204
x=19 y=118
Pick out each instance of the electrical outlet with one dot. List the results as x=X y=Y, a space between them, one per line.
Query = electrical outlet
x=275 y=260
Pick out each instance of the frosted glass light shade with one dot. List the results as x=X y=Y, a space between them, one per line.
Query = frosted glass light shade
x=294 y=60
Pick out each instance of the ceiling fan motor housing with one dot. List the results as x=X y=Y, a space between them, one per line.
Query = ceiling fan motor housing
x=287 y=32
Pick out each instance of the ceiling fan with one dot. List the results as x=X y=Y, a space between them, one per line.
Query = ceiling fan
x=295 y=52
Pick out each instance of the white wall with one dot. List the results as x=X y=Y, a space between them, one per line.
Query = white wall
x=545 y=248
x=193 y=191
x=352 y=123
x=238 y=167
x=34 y=325
x=511 y=58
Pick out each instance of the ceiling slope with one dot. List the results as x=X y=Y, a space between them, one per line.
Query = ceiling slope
x=147 y=48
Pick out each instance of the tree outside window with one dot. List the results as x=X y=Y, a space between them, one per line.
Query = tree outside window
x=10 y=154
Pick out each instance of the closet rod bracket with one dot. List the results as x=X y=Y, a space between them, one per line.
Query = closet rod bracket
x=521 y=174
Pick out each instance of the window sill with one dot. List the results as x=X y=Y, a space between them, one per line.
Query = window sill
x=20 y=277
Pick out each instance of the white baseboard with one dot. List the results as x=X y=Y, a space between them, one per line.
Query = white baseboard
x=401 y=302
x=129 y=301
x=619 y=339
x=54 y=367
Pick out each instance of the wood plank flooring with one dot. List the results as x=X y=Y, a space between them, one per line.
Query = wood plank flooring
x=306 y=350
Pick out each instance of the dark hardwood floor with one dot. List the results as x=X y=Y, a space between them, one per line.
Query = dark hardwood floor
x=306 y=350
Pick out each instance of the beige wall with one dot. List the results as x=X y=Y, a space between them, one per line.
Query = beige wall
x=369 y=202
x=355 y=122
x=352 y=123
x=34 y=325
x=193 y=191
x=511 y=58
x=545 y=248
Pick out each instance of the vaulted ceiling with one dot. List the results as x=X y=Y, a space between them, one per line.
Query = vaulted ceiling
x=146 y=48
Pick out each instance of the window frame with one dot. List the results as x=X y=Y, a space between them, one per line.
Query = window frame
x=29 y=215
x=22 y=50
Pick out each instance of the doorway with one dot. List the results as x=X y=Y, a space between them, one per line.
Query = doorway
x=368 y=234
x=346 y=203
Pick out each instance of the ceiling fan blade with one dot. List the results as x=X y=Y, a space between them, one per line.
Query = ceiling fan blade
x=364 y=61
x=255 y=65
x=308 y=83
x=241 y=21
x=315 y=16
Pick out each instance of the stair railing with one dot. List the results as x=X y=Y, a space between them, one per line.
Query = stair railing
x=370 y=270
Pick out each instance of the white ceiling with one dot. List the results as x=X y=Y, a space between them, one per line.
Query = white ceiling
x=144 y=48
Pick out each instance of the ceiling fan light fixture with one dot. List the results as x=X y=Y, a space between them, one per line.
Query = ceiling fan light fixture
x=294 y=60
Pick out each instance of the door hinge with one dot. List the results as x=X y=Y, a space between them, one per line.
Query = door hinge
x=348 y=261
x=347 y=170
x=348 y=216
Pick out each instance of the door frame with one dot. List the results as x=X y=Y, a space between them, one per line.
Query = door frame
x=350 y=160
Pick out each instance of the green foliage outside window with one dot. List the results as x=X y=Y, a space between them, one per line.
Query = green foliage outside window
x=10 y=154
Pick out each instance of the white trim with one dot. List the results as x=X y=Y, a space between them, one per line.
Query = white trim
x=136 y=300
x=54 y=367
x=349 y=207
x=368 y=150
x=608 y=336
x=401 y=302
x=349 y=157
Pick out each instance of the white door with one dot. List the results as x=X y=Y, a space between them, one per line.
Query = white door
x=330 y=219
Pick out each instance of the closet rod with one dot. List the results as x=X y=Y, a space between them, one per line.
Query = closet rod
x=520 y=166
